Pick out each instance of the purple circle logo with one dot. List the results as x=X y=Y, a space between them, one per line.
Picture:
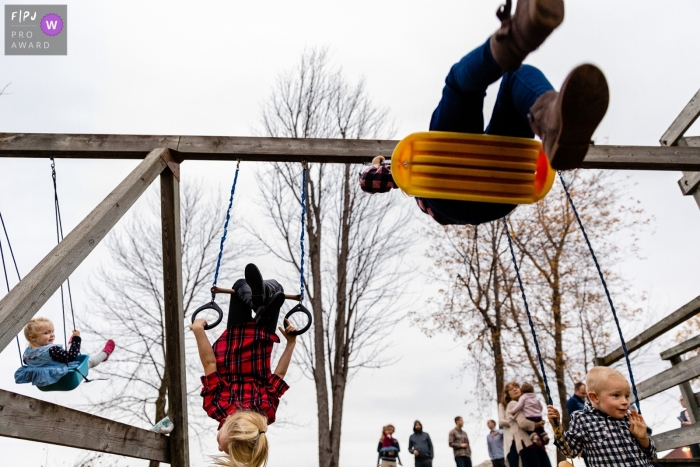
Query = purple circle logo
x=51 y=24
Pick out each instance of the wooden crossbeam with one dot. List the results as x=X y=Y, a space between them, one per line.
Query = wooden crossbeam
x=27 y=297
x=679 y=316
x=682 y=122
x=27 y=418
x=680 y=349
x=680 y=373
x=677 y=438
x=297 y=150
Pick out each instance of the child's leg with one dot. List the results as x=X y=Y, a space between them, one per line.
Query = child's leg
x=239 y=309
x=518 y=92
x=272 y=305
x=96 y=359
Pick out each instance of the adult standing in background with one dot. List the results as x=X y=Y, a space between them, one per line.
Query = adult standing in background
x=685 y=421
x=494 y=440
x=420 y=445
x=518 y=446
x=577 y=401
x=459 y=442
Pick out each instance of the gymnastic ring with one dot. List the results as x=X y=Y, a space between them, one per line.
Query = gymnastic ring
x=209 y=306
x=297 y=309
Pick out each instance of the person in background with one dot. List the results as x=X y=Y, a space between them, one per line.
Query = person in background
x=459 y=442
x=685 y=421
x=578 y=400
x=420 y=445
x=494 y=440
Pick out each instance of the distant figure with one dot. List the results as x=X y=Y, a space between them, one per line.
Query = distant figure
x=578 y=400
x=529 y=404
x=494 y=440
x=519 y=448
x=388 y=448
x=420 y=445
x=459 y=442
x=685 y=421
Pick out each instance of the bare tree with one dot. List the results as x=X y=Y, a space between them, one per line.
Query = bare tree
x=127 y=305
x=354 y=239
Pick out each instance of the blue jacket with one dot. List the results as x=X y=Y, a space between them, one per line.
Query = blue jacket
x=574 y=404
x=40 y=369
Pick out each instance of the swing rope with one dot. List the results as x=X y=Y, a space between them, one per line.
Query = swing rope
x=223 y=237
x=59 y=238
x=303 y=223
x=557 y=427
x=7 y=280
x=607 y=292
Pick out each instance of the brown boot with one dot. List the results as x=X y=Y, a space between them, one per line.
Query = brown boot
x=525 y=31
x=566 y=120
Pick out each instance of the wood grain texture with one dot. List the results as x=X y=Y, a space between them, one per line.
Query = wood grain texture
x=27 y=418
x=174 y=317
x=680 y=349
x=687 y=117
x=28 y=296
x=677 y=438
x=342 y=151
x=684 y=371
x=679 y=316
x=691 y=402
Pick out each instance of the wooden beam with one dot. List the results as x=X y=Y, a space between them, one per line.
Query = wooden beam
x=174 y=316
x=27 y=297
x=31 y=419
x=677 y=438
x=680 y=349
x=342 y=151
x=682 y=122
x=677 y=374
x=679 y=316
x=691 y=402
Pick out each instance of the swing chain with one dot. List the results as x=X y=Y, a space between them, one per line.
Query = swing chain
x=304 y=167
x=7 y=280
x=223 y=237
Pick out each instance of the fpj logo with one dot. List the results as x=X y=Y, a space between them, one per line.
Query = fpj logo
x=36 y=30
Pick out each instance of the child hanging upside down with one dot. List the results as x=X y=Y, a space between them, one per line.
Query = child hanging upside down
x=606 y=430
x=239 y=390
x=526 y=105
x=45 y=362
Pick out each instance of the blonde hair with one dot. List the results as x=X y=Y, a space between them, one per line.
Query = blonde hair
x=598 y=376
x=33 y=326
x=246 y=440
x=386 y=427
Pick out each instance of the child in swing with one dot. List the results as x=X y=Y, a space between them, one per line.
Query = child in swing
x=238 y=388
x=606 y=430
x=45 y=362
x=527 y=105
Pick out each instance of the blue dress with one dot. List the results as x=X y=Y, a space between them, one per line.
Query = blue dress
x=40 y=369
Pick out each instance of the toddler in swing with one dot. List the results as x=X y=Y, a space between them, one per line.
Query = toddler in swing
x=526 y=105
x=606 y=429
x=529 y=404
x=238 y=388
x=45 y=362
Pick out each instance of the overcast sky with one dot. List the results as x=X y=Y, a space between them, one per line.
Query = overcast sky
x=204 y=69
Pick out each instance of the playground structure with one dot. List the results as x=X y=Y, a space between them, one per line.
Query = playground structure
x=27 y=418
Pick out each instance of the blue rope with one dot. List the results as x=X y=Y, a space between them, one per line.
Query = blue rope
x=607 y=293
x=303 y=223
x=223 y=237
x=527 y=310
x=7 y=281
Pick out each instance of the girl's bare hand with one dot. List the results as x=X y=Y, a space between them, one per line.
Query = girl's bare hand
x=285 y=332
x=198 y=324
x=377 y=161
x=76 y=333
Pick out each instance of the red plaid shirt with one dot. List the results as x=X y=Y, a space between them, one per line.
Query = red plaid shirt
x=242 y=379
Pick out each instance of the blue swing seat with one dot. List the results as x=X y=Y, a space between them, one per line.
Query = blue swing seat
x=72 y=379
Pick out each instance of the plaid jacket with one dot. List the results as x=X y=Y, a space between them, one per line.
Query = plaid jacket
x=379 y=180
x=242 y=379
x=456 y=439
x=606 y=440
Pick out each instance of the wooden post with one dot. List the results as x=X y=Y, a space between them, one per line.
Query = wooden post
x=174 y=315
x=691 y=403
x=27 y=297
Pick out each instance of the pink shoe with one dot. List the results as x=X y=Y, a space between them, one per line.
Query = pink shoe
x=109 y=348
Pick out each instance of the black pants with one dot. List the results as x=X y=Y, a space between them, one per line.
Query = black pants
x=424 y=462
x=498 y=462
x=532 y=456
x=241 y=306
x=463 y=461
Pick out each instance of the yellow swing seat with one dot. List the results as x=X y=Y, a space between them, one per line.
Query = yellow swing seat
x=471 y=167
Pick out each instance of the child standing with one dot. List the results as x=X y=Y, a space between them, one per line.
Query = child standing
x=529 y=404
x=608 y=432
x=45 y=362
x=238 y=389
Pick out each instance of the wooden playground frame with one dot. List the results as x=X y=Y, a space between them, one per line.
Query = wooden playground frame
x=27 y=418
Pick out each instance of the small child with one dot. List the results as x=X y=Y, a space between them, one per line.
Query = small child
x=388 y=447
x=530 y=405
x=608 y=432
x=387 y=440
x=238 y=389
x=45 y=362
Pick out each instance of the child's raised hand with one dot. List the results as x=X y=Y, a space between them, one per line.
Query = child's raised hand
x=198 y=324
x=552 y=414
x=285 y=332
x=638 y=428
x=76 y=333
x=377 y=161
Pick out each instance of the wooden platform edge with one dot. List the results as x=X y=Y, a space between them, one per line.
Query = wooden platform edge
x=680 y=373
x=31 y=419
x=677 y=438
